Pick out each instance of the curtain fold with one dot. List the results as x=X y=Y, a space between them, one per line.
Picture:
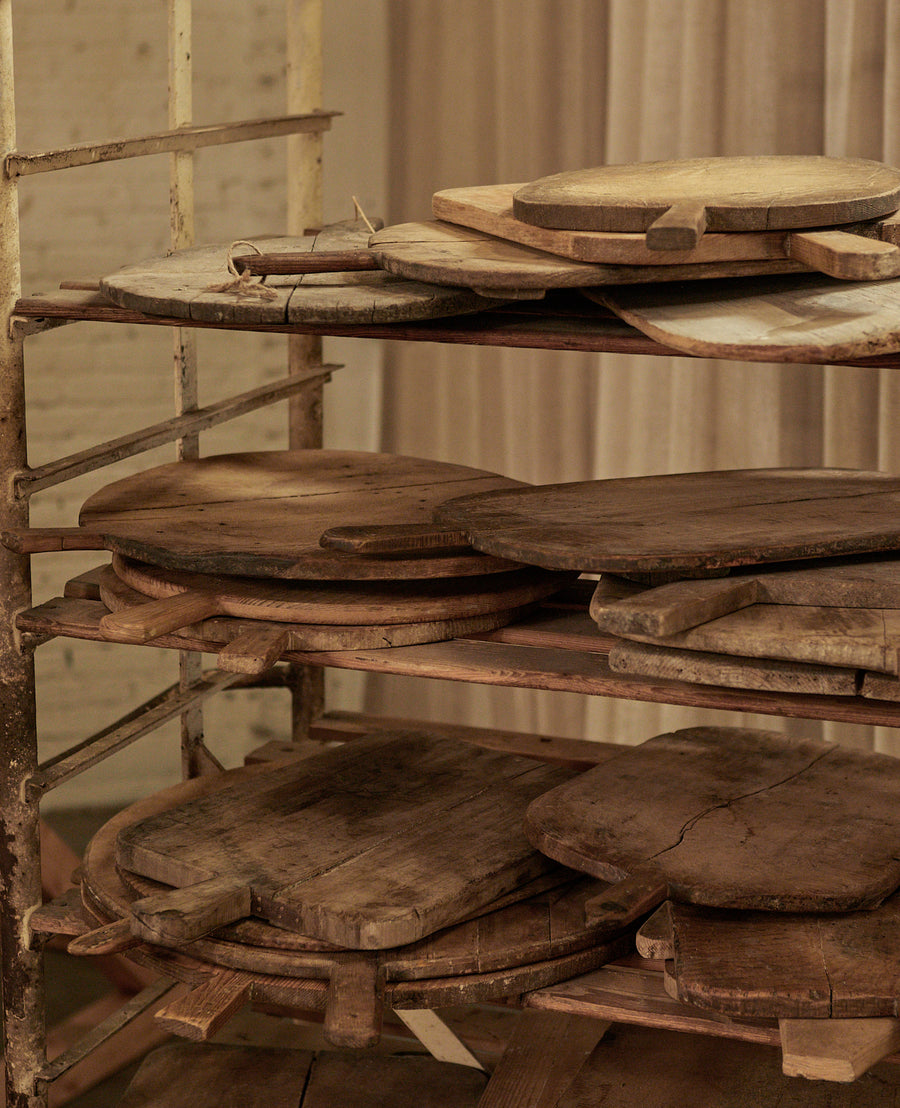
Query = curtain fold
x=516 y=89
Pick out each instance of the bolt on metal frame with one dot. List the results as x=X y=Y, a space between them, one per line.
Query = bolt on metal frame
x=22 y=780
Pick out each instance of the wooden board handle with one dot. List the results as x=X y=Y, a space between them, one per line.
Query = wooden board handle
x=255 y=651
x=679 y=228
x=158 y=617
x=41 y=540
x=393 y=538
x=844 y=256
x=182 y=915
x=628 y=900
x=335 y=261
x=675 y=607
x=200 y=1013
x=111 y=938
x=353 y=1009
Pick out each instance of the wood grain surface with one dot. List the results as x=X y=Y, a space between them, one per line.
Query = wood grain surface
x=370 y=845
x=789 y=318
x=745 y=193
x=684 y=521
x=762 y=964
x=620 y=608
x=261 y=514
x=232 y=635
x=733 y=818
x=196 y=284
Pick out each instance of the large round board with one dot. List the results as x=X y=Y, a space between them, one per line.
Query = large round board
x=744 y=193
x=196 y=284
x=684 y=521
x=261 y=514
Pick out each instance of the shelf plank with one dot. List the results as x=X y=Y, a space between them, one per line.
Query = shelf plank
x=492 y=661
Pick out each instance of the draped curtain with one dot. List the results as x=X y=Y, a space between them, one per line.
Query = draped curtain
x=510 y=90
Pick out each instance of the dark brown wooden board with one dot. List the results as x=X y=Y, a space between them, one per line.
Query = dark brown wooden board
x=733 y=818
x=183 y=1075
x=651 y=1068
x=769 y=965
x=684 y=521
x=744 y=193
x=371 y=845
x=261 y=514
x=196 y=284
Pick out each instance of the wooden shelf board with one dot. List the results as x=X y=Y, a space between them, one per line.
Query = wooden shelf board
x=522 y=656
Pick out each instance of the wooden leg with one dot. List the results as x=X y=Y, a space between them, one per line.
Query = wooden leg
x=437 y=1037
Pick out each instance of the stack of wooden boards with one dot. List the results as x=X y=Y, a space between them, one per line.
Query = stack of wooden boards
x=226 y=549
x=771 y=258
x=393 y=869
x=779 y=859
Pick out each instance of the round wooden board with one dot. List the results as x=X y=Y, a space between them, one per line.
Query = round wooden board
x=185 y=285
x=684 y=521
x=748 y=193
x=346 y=603
x=790 y=318
x=261 y=514
x=220 y=631
x=489 y=209
x=499 y=954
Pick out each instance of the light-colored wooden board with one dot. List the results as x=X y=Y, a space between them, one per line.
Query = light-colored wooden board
x=789 y=318
x=836 y=1050
x=343 y=602
x=371 y=845
x=196 y=284
x=231 y=633
x=860 y=638
x=803 y=966
x=732 y=818
x=621 y=607
x=641 y=659
x=261 y=514
x=744 y=193
x=684 y=521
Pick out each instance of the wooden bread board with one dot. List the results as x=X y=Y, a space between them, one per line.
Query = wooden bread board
x=196 y=284
x=686 y=521
x=176 y=598
x=374 y=844
x=489 y=208
x=730 y=818
x=789 y=318
x=261 y=514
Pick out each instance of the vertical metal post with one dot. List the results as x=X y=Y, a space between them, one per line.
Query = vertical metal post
x=181 y=217
x=304 y=210
x=20 y=867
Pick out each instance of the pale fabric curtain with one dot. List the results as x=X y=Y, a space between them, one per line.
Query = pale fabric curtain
x=509 y=90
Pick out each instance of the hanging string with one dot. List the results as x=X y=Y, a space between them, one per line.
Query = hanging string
x=244 y=284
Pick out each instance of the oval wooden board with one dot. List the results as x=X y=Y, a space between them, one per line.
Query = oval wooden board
x=684 y=521
x=186 y=285
x=342 y=602
x=489 y=208
x=768 y=965
x=374 y=844
x=261 y=514
x=792 y=318
x=221 y=631
x=748 y=193
x=472 y=944
x=733 y=818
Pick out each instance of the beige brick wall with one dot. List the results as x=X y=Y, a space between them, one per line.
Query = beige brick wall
x=96 y=69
